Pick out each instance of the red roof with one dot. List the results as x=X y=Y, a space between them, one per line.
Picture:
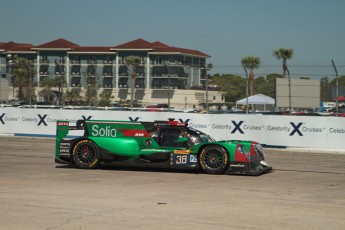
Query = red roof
x=138 y=44
x=157 y=47
x=91 y=49
x=180 y=50
x=57 y=44
x=159 y=44
x=12 y=46
x=135 y=44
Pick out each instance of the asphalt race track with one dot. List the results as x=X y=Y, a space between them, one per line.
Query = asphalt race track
x=306 y=191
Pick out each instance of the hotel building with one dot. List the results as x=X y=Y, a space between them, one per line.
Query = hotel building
x=164 y=71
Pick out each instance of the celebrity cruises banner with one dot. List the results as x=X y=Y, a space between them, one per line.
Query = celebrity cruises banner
x=272 y=130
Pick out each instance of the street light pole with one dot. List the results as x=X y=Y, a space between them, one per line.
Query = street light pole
x=336 y=89
x=133 y=77
x=96 y=83
x=289 y=84
x=62 y=84
x=207 y=67
x=166 y=66
x=247 y=87
x=30 y=84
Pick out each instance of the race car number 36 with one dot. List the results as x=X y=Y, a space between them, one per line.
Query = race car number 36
x=184 y=159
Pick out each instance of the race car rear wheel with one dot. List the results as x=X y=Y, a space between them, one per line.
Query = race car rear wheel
x=214 y=159
x=86 y=154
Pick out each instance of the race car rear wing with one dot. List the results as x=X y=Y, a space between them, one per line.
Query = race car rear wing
x=63 y=127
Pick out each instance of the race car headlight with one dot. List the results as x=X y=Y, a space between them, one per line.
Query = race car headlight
x=264 y=163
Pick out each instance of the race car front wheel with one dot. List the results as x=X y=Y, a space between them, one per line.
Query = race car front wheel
x=214 y=159
x=86 y=154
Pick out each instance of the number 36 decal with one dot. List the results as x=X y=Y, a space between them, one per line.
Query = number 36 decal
x=181 y=159
x=184 y=159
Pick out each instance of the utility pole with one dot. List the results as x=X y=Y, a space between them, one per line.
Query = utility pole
x=336 y=89
x=133 y=77
x=62 y=101
x=96 y=82
x=167 y=67
x=207 y=68
x=289 y=84
x=247 y=87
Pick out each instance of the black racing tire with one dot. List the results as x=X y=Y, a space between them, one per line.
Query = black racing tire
x=214 y=159
x=86 y=154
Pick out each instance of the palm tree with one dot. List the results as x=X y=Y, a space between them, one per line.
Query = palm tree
x=284 y=54
x=59 y=82
x=73 y=96
x=46 y=92
x=22 y=72
x=132 y=63
x=105 y=98
x=91 y=89
x=251 y=62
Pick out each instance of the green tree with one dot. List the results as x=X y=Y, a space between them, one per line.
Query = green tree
x=59 y=82
x=132 y=62
x=259 y=83
x=233 y=86
x=105 y=98
x=284 y=54
x=73 y=96
x=46 y=92
x=91 y=89
x=341 y=85
x=325 y=89
x=23 y=73
x=251 y=62
x=270 y=86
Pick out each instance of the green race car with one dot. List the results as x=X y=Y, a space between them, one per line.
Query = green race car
x=164 y=144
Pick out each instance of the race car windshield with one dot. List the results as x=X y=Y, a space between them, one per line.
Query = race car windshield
x=198 y=137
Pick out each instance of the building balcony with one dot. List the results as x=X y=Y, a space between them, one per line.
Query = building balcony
x=107 y=85
x=44 y=62
x=44 y=73
x=108 y=62
x=210 y=88
x=124 y=74
x=164 y=87
x=92 y=62
x=123 y=86
x=60 y=61
x=75 y=85
x=172 y=76
x=58 y=73
x=169 y=63
x=75 y=62
x=75 y=74
x=140 y=86
x=108 y=74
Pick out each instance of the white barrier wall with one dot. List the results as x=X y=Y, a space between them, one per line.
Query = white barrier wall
x=272 y=130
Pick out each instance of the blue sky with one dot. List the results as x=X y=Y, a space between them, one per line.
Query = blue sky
x=227 y=30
